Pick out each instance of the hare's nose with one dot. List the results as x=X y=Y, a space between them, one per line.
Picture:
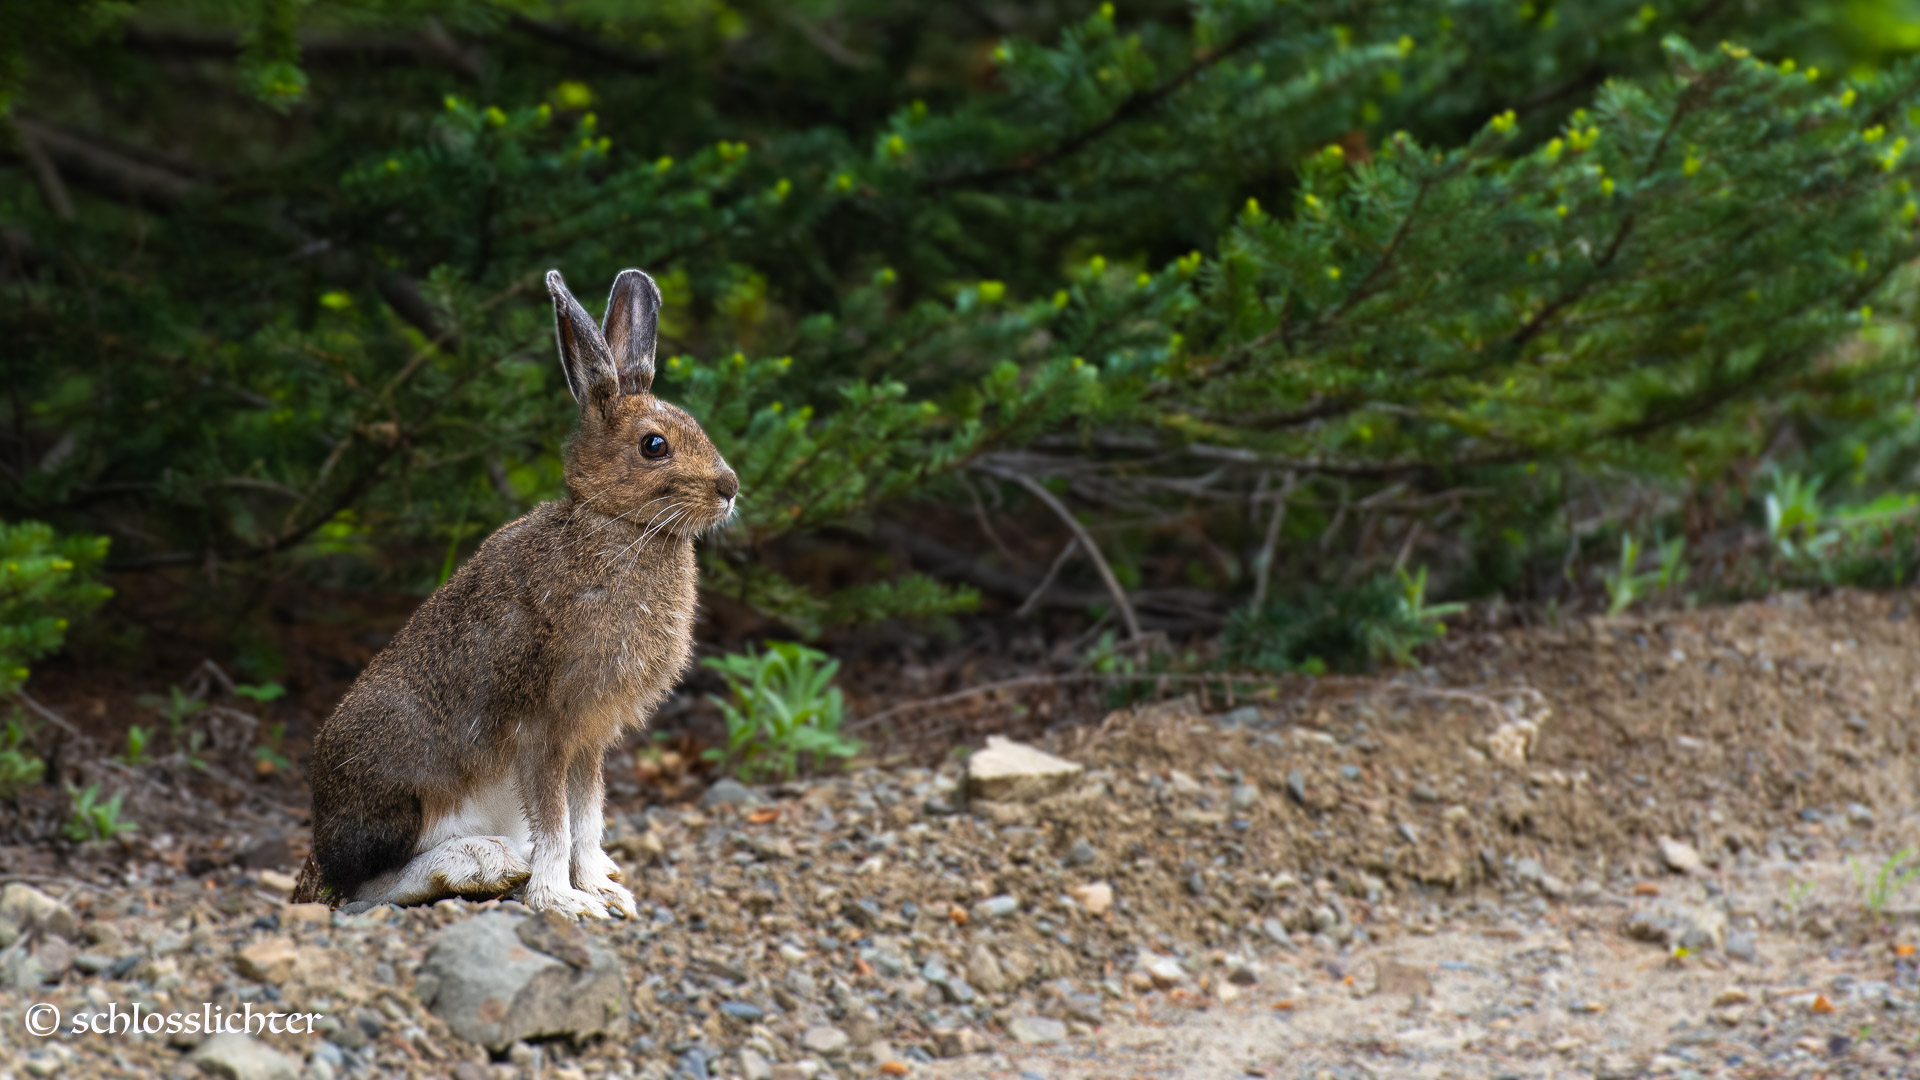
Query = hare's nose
x=728 y=485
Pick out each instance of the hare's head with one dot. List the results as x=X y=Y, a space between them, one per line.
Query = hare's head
x=633 y=455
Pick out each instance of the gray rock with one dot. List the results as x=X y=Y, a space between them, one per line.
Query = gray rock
x=1741 y=945
x=1165 y=971
x=957 y=1042
x=1244 y=796
x=996 y=907
x=1297 y=786
x=1680 y=856
x=243 y=1057
x=983 y=969
x=730 y=792
x=958 y=991
x=755 y=1067
x=1691 y=928
x=1244 y=716
x=825 y=1041
x=1082 y=853
x=492 y=989
x=1036 y=1030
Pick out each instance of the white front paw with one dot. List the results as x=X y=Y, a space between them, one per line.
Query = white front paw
x=594 y=872
x=573 y=903
x=618 y=900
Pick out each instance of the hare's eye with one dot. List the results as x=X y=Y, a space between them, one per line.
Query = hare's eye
x=653 y=446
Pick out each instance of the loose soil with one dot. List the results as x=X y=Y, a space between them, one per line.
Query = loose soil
x=1456 y=871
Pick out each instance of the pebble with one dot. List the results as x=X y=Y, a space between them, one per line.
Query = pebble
x=1081 y=853
x=1036 y=1030
x=1095 y=898
x=1297 y=786
x=753 y=1066
x=996 y=907
x=729 y=792
x=825 y=1040
x=243 y=1057
x=1244 y=796
x=1165 y=971
x=1679 y=856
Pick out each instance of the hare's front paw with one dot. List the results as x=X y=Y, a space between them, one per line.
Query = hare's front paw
x=573 y=903
x=598 y=874
x=618 y=900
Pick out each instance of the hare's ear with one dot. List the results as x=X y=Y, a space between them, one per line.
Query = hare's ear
x=583 y=352
x=631 y=327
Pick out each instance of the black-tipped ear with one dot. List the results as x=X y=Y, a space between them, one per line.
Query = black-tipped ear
x=631 y=328
x=583 y=352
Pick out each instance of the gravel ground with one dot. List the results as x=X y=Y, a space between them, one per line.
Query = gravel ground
x=1619 y=849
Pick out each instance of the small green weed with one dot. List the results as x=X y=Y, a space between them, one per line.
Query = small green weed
x=176 y=708
x=267 y=757
x=1626 y=585
x=92 y=820
x=780 y=706
x=1878 y=889
x=20 y=767
x=262 y=693
x=136 y=754
x=1340 y=629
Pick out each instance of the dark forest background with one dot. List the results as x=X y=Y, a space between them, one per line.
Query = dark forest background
x=1265 y=326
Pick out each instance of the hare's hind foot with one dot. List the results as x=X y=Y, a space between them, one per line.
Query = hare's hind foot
x=474 y=867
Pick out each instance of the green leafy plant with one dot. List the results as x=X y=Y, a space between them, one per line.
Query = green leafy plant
x=268 y=757
x=136 y=746
x=1350 y=629
x=262 y=693
x=1627 y=585
x=1794 y=516
x=1304 y=239
x=781 y=706
x=20 y=766
x=93 y=820
x=177 y=708
x=46 y=581
x=1879 y=888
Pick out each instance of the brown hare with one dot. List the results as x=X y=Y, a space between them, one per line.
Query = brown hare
x=466 y=758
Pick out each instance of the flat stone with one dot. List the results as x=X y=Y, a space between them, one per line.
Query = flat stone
x=983 y=969
x=1165 y=971
x=755 y=1067
x=1036 y=1030
x=1094 y=898
x=996 y=907
x=1008 y=771
x=30 y=909
x=294 y=915
x=556 y=935
x=276 y=881
x=243 y=1057
x=1680 y=856
x=493 y=989
x=730 y=792
x=825 y=1040
x=269 y=960
x=1244 y=796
